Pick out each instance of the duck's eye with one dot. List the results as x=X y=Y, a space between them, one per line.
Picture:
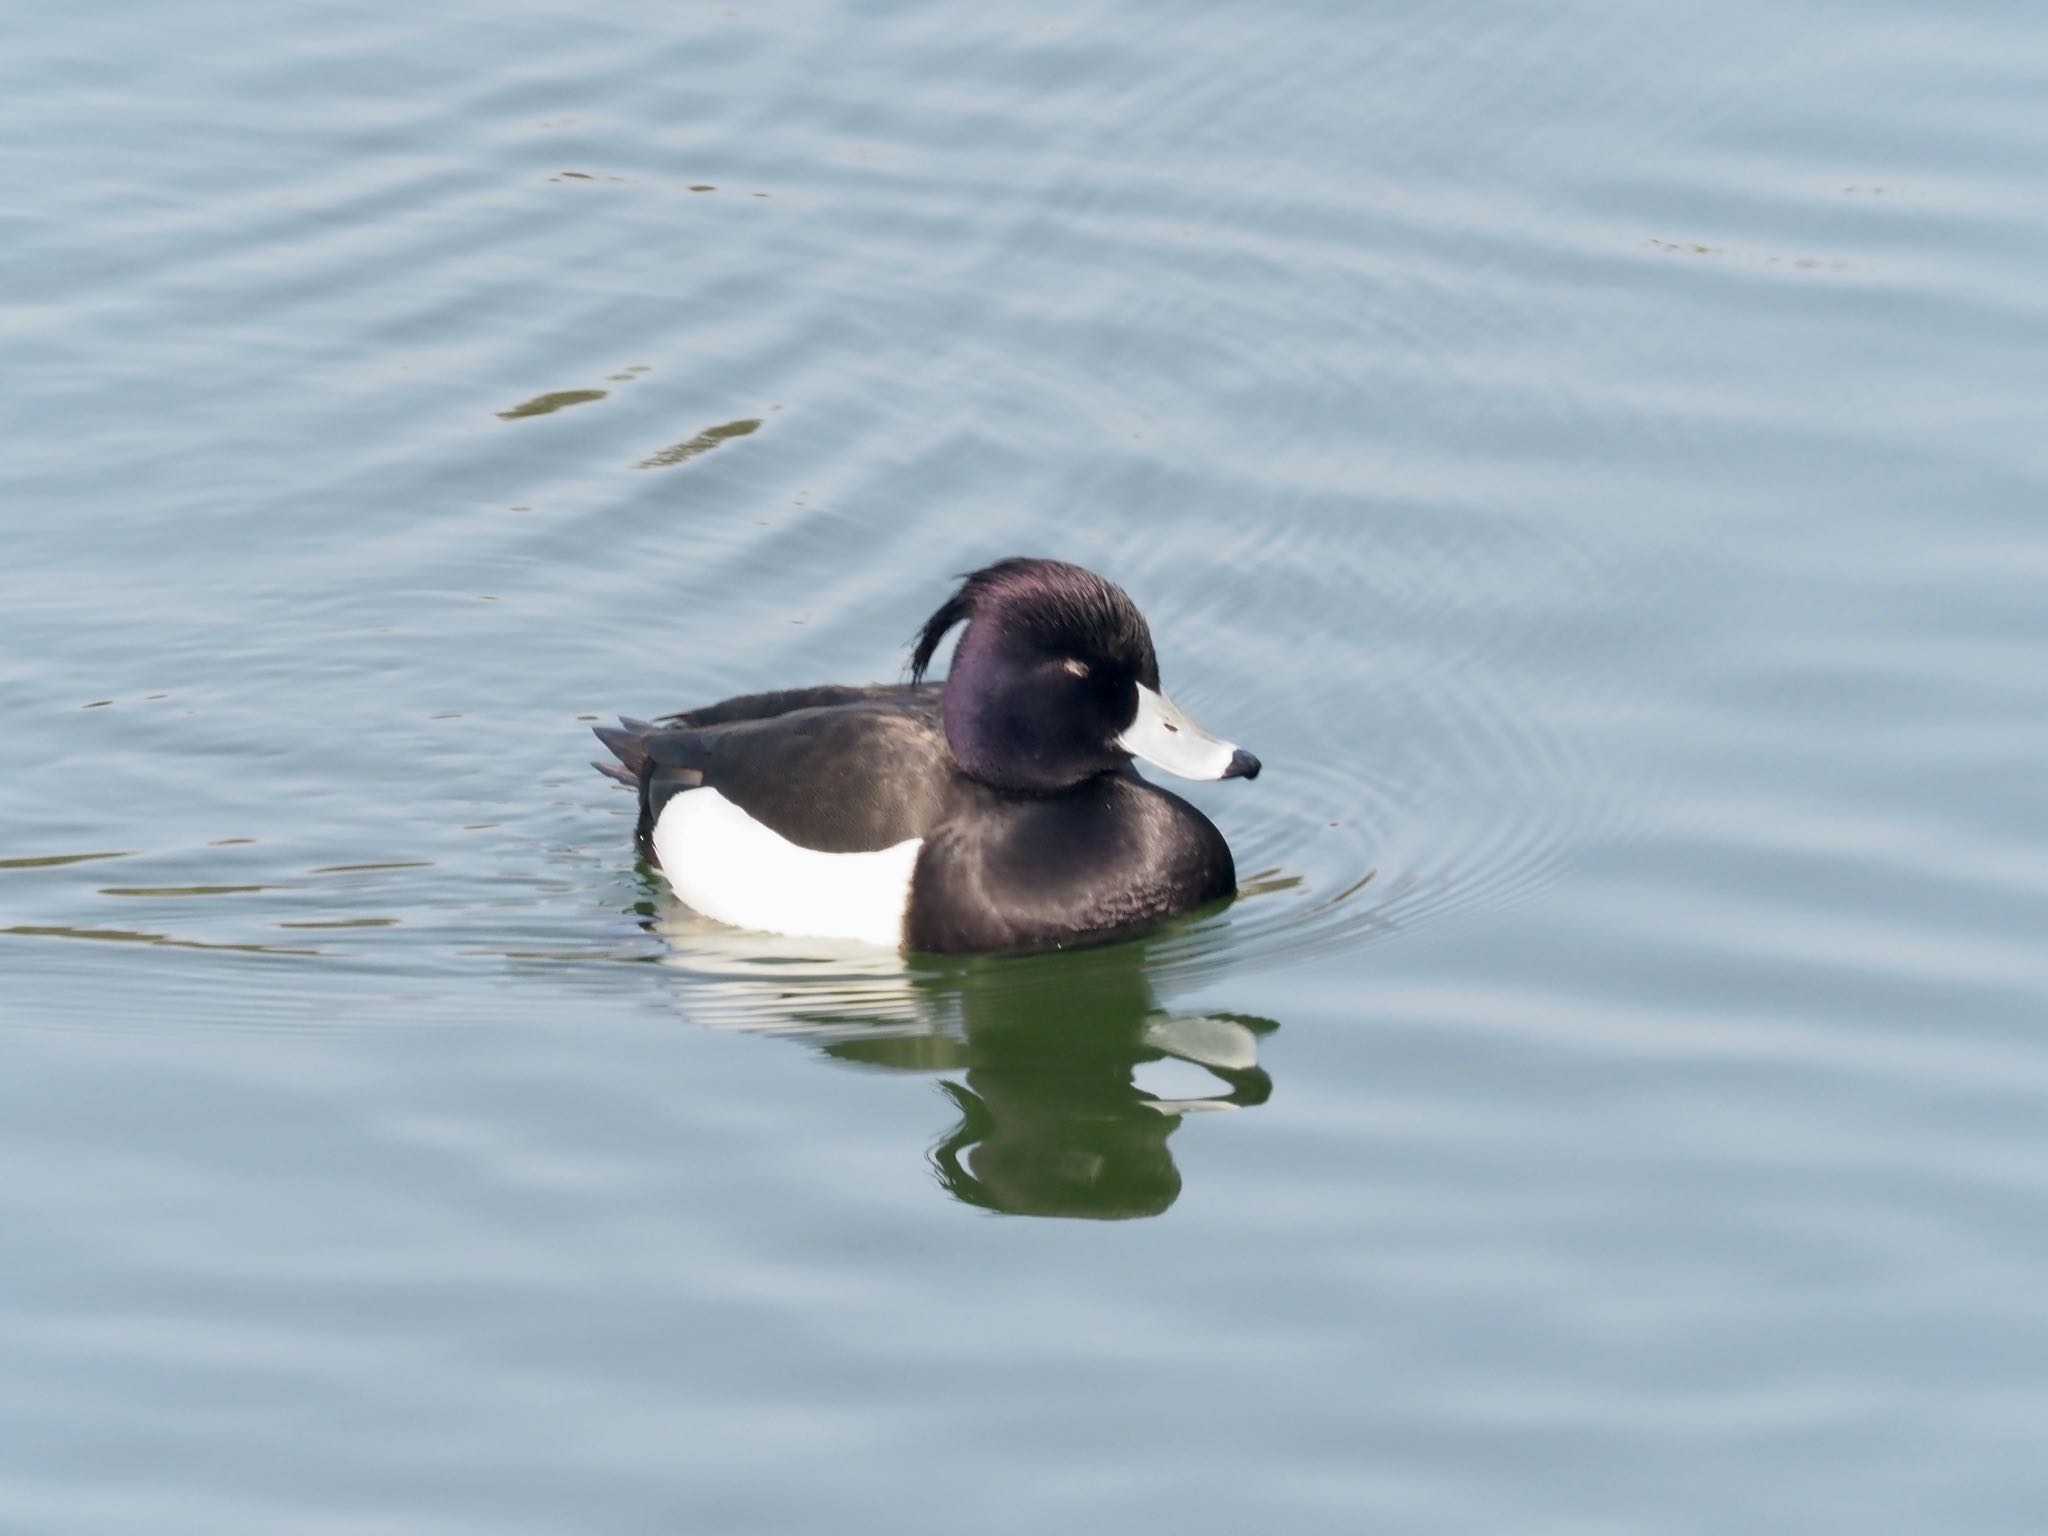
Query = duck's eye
x=1074 y=667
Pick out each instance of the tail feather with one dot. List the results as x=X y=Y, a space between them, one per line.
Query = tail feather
x=627 y=741
x=645 y=765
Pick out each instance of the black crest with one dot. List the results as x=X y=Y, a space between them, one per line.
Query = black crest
x=1044 y=600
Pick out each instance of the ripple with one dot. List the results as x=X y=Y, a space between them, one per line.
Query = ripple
x=137 y=936
x=1425 y=770
x=1350 y=546
x=1333 y=859
x=180 y=890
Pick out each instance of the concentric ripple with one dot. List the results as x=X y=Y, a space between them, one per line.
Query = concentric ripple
x=642 y=407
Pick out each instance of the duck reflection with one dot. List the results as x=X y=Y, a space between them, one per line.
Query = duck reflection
x=1058 y=1116
x=1067 y=1078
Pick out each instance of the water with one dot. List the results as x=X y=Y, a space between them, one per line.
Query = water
x=1592 y=456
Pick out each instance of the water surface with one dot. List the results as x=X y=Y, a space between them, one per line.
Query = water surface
x=1592 y=457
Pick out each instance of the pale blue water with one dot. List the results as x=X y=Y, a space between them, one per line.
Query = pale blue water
x=1593 y=456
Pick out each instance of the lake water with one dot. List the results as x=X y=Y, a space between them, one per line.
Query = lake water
x=1593 y=454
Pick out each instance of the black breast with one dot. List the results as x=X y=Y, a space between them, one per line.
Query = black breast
x=1108 y=856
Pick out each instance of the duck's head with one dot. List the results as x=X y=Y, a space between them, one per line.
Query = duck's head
x=1055 y=681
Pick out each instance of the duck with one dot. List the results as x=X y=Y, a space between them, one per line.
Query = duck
x=998 y=810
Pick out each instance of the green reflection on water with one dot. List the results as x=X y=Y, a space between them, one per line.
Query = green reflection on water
x=179 y=890
x=1050 y=1058
x=137 y=936
x=57 y=860
x=544 y=405
x=703 y=442
x=1052 y=1121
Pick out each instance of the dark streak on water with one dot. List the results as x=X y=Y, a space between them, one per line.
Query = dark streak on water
x=1592 y=455
x=703 y=442
x=548 y=404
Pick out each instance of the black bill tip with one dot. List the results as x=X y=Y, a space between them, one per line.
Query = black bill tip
x=1242 y=766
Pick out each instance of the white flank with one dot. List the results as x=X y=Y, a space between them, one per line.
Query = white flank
x=726 y=865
